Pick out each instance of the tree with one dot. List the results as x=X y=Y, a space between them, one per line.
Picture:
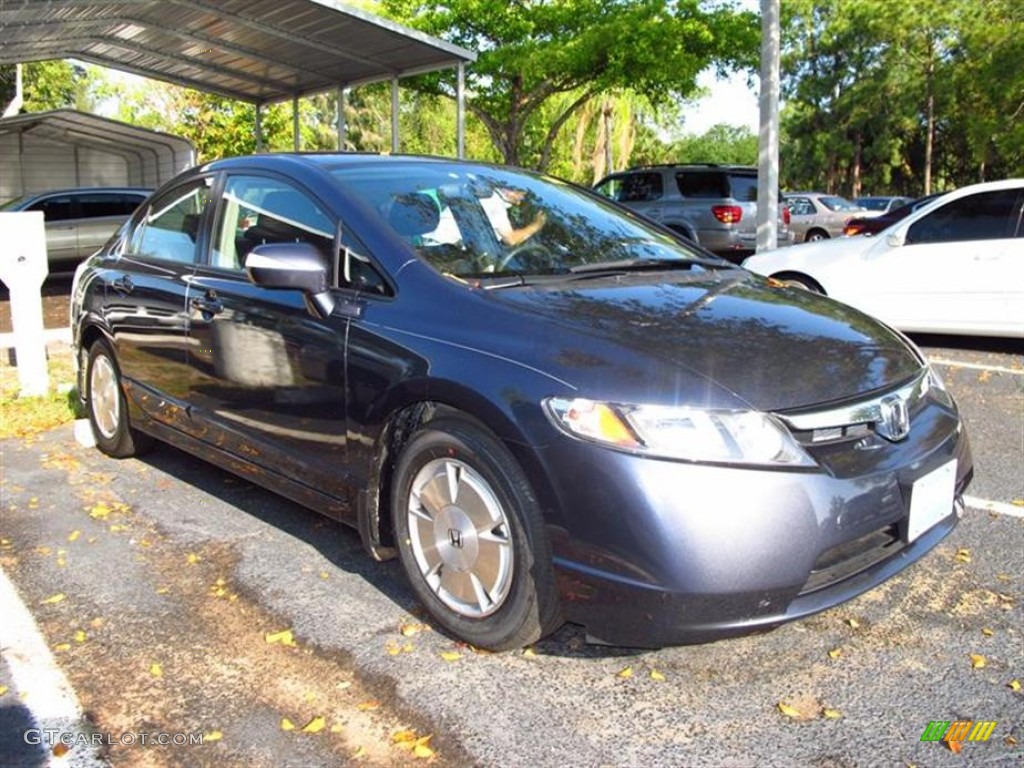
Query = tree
x=530 y=54
x=47 y=85
x=724 y=144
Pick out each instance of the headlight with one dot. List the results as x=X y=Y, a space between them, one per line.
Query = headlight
x=691 y=434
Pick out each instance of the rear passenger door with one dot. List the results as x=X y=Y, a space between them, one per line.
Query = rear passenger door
x=59 y=212
x=99 y=216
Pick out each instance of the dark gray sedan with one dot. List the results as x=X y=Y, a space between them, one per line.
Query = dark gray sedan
x=548 y=408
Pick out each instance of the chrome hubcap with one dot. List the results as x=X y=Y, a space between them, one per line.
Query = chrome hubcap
x=103 y=396
x=460 y=537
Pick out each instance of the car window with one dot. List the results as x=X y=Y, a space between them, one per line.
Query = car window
x=97 y=204
x=610 y=188
x=640 y=187
x=744 y=187
x=800 y=206
x=170 y=228
x=838 y=204
x=983 y=216
x=703 y=184
x=58 y=208
x=256 y=210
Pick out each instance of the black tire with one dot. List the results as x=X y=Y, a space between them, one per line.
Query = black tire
x=799 y=281
x=815 y=235
x=108 y=411
x=528 y=607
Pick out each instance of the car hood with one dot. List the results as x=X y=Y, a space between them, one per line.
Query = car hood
x=810 y=255
x=774 y=348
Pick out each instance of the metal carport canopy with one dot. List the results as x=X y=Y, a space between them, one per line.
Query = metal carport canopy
x=260 y=52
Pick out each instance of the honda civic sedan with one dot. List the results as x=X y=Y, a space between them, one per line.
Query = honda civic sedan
x=549 y=409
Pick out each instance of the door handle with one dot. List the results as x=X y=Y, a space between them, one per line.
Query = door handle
x=209 y=305
x=123 y=285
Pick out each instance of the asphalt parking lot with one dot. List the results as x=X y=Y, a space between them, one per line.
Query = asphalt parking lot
x=176 y=582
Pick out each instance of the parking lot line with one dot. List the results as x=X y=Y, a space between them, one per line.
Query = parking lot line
x=976 y=366
x=43 y=687
x=999 y=507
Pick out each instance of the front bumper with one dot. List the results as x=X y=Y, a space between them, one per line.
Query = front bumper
x=651 y=552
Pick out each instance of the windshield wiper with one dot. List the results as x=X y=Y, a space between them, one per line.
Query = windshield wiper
x=639 y=265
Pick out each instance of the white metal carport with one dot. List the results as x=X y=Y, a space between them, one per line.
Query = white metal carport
x=261 y=51
x=65 y=148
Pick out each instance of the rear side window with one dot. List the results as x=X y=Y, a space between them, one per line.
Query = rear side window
x=55 y=208
x=99 y=204
x=703 y=184
x=800 y=206
x=170 y=228
x=640 y=187
x=984 y=216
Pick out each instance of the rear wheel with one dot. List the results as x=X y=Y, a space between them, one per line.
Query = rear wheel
x=471 y=537
x=799 y=281
x=108 y=411
x=816 y=234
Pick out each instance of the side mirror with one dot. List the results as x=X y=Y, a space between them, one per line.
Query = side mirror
x=292 y=266
x=896 y=239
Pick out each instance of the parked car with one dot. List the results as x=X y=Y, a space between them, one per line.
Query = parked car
x=598 y=425
x=878 y=205
x=955 y=265
x=815 y=216
x=79 y=221
x=715 y=206
x=872 y=225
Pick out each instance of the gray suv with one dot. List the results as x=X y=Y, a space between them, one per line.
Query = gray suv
x=79 y=221
x=713 y=205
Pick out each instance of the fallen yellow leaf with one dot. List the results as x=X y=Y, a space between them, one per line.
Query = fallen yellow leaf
x=287 y=725
x=54 y=599
x=192 y=558
x=324 y=574
x=451 y=655
x=283 y=637
x=1013 y=685
x=367 y=706
x=835 y=653
x=656 y=675
x=80 y=636
x=3 y=689
x=625 y=673
x=212 y=736
x=315 y=725
x=963 y=555
x=62 y=647
x=100 y=512
x=1010 y=741
x=162 y=590
x=978 y=661
x=1018 y=502
x=853 y=623
x=789 y=711
x=337 y=728
x=987 y=632
x=421 y=750
x=408 y=630
x=399 y=736
x=832 y=714
x=43 y=550
x=156 y=670
x=530 y=653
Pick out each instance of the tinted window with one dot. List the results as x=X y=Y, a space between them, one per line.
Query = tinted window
x=54 y=208
x=984 y=216
x=744 y=188
x=97 y=204
x=701 y=184
x=170 y=228
x=838 y=204
x=256 y=210
x=639 y=187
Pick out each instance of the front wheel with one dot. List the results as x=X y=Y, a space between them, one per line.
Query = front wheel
x=108 y=412
x=471 y=537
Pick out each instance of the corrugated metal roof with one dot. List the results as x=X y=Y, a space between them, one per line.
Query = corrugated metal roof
x=253 y=50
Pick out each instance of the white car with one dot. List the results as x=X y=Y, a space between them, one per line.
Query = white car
x=955 y=265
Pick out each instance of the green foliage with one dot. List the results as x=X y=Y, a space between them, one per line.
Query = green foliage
x=47 y=85
x=530 y=54
x=888 y=97
x=723 y=144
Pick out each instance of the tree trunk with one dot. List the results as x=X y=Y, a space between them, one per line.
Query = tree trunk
x=855 y=171
x=929 y=138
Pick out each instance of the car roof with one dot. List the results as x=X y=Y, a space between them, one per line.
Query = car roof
x=86 y=190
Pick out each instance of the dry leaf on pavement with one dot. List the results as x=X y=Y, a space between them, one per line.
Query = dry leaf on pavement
x=283 y=637
x=287 y=725
x=978 y=661
x=315 y=725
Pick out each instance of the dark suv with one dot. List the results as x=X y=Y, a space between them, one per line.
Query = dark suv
x=713 y=205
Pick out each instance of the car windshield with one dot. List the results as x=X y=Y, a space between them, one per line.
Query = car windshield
x=839 y=204
x=481 y=221
x=873 y=203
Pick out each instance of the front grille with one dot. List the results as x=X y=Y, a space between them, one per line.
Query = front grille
x=852 y=557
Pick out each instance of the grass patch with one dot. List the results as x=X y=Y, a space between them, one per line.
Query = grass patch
x=22 y=416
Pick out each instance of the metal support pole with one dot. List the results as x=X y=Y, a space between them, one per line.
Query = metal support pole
x=341 y=119
x=394 y=115
x=259 y=129
x=296 y=135
x=768 y=150
x=460 y=112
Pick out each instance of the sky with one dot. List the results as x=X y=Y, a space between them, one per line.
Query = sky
x=729 y=101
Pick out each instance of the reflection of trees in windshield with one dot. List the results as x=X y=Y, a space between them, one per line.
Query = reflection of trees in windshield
x=577 y=229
